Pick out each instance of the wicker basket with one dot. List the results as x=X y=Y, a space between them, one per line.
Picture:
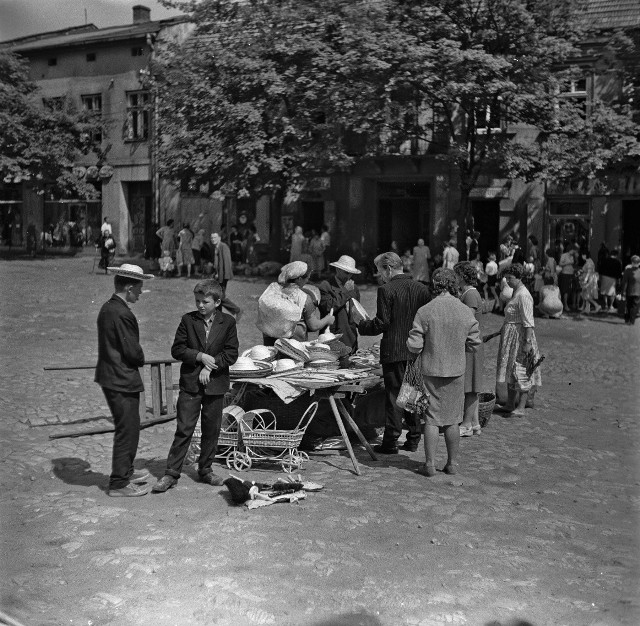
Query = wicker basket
x=486 y=402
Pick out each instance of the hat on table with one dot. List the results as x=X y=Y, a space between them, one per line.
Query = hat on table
x=347 y=264
x=130 y=271
x=292 y=270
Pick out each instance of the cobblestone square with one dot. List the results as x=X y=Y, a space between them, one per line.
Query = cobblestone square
x=539 y=527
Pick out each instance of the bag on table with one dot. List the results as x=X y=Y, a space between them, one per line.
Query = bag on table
x=413 y=395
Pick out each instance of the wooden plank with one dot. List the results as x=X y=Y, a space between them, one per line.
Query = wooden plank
x=110 y=429
x=143 y=405
x=156 y=391
x=168 y=386
x=343 y=432
x=357 y=430
x=56 y=367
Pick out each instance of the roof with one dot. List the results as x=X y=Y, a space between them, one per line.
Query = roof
x=613 y=14
x=70 y=37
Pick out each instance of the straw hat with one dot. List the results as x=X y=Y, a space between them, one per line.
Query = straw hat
x=346 y=263
x=130 y=271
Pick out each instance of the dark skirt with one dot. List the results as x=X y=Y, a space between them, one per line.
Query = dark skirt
x=446 y=401
x=473 y=382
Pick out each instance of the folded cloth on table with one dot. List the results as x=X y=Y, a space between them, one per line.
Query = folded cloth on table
x=286 y=392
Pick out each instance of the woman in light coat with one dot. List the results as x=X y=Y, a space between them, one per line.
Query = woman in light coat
x=443 y=331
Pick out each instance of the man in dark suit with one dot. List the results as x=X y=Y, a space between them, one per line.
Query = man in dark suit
x=119 y=357
x=399 y=298
x=207 y=344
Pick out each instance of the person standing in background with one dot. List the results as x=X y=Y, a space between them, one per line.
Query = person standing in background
x=631 y=290
x=325 y=237
x=450 y=256
x=421 y=258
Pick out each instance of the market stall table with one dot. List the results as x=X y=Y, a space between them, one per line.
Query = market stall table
x=334 y=393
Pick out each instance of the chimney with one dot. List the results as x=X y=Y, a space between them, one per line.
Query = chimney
x=141 y=14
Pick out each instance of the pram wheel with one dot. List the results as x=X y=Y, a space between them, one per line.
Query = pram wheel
x=240 y=461
x=291 y=461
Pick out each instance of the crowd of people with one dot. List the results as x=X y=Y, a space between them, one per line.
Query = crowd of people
x=562 y=279
x=429 y=313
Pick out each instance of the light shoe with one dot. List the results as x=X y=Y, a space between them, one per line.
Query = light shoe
x=140 y=476
x=477 y=430
x=466 y=431
x=130 y=491
x=597 y=309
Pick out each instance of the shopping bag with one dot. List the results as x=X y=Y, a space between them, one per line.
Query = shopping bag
x=413 y=395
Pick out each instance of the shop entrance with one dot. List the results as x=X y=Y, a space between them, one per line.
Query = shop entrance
x=630 y=229
x=312 y=215
x=486 y=220
x=140 y=211
x=569 y=223
x=403 y=215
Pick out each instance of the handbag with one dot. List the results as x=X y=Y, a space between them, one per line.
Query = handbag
x=413 y=395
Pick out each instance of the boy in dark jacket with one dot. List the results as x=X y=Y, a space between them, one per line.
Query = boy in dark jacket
x=207 y=344
x=119 y=358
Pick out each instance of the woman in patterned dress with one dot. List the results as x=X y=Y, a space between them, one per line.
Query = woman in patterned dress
x=517 y=340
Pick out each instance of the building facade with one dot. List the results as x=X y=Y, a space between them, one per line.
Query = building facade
x=103 y=71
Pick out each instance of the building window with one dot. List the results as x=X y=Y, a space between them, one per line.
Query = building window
x=576 y=91
x=488 y=118
x=91 y=56
x=138 y=116
x=52 y=61
x=137 y=52
x=92 y=104
x=54 y=104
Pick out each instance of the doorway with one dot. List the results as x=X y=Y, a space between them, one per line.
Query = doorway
x=486 y=220
x=312 y=215
x=403 y=215
x=140 y=212
x=630 y=229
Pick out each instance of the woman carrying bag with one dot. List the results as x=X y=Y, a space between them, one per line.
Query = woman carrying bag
x=443 y=331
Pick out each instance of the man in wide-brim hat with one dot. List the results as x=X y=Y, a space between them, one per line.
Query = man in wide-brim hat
x=336 y=293
x=120 y=356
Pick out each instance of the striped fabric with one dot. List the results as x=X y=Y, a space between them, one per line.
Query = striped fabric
x=398 y=302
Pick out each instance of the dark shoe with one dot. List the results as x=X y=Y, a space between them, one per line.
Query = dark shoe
x=427 y=470
x=164 y=484
x=212 y=479
x=451 y=468
x=382 y=449
x=410 y=445
x=140 y=476
x=130 y=491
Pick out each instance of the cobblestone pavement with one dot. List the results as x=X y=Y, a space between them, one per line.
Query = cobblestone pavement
x=539 y=527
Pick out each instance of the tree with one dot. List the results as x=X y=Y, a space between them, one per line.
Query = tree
x=40 y=143
x=268 y=92
x=265 y=95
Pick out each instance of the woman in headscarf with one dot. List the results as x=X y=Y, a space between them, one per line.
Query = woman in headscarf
x=443 y=330
x=287 y=310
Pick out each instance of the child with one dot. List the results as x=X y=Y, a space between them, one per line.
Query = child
x=207 y=344
x=407 y=261
x=166 y=264
x=491 y=270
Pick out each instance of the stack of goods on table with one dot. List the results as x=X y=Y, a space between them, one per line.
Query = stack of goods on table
x=301 y=368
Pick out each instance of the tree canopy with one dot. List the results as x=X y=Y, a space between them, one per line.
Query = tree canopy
x=267 y=93
x=40 y=143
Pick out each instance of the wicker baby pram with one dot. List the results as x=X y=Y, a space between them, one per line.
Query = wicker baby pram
x=261 y=440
